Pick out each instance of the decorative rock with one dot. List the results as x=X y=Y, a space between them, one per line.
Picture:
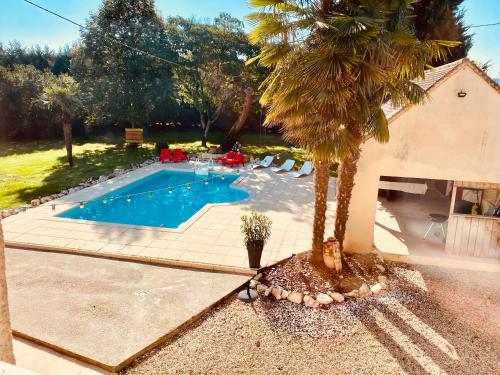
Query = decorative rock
x=381 y=267
x=35 y=202
x=324 y=299
x=257 y=277
x=284 y=294
x=261 y=288
x=5 y=213
x=376 y=288
x=310 y=302
x=268 y=291
x=364 y=290
x=254 y=283
x=102 y=178
x=382 y=279
x=337 y=297
x=64 y=192
x=380 y=257
x=45 y=199
x=15 y=211
x=295 y=297
x=352 y=294
x=276 y=292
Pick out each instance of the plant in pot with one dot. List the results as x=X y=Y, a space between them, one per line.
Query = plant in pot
x=256 y=228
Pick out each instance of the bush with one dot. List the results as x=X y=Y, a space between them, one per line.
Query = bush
x=256 y=228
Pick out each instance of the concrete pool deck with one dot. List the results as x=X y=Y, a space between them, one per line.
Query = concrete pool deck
x=210 y=240
x=102 y=311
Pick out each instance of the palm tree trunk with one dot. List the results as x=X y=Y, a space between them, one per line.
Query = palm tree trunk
x=6 y=349
x=68 y=140
x=345 y=184
x=321 y=178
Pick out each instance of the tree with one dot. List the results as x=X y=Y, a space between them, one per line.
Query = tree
x=63 y=99
x=123 y=84
x=334 y=64
x=211 y=79
x=6 y=348
x=20 y=115
x=443 y=20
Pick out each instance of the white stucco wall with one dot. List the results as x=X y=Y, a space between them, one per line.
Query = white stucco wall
x=446 y=138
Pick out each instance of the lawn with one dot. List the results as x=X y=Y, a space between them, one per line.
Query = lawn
x=31 y=170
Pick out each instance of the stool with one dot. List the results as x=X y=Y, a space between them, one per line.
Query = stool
x=437 y=219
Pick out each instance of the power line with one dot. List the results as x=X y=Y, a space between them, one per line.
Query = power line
x=135 y=49
x=485 y=25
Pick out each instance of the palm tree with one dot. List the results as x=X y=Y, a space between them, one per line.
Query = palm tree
x=6 y=349
x=334 y=64
x=62 y=98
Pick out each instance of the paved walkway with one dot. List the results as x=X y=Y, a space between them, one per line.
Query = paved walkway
x=102 y=310
x=211 y=240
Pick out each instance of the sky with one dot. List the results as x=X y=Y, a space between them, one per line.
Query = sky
x=22 y=22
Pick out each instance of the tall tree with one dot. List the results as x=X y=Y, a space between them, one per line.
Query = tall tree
x=20 y=115
x=63 y=99
x=443 y=20
x=6 y=348
x=335 y=64
x=124 y=85
x=214 y=78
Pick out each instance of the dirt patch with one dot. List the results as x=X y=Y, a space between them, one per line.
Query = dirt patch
x=297 y=274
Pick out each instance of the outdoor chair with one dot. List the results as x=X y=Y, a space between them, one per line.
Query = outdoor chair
x=266 y=163
x=306 y=170
x=285 y=167
x=437 y=219
x=237 y=159
x=165 y=155
x=179 y=155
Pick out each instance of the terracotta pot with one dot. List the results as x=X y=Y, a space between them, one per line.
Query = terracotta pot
x=254 y=250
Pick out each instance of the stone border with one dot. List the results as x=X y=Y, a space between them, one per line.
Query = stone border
x=88 y=183
x=321 y=298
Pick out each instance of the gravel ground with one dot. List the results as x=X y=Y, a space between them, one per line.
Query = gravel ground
x=430 y=321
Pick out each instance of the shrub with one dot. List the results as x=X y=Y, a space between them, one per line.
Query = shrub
x=256 y=227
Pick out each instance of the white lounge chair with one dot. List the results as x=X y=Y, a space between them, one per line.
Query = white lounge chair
x=306 y=170
x=268 y=160
x=285 y=167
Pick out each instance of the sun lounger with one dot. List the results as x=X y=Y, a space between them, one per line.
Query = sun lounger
x=306 y=170
x=268 y=160
x=285 y=167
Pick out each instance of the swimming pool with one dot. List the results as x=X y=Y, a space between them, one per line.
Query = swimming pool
x=165 y=199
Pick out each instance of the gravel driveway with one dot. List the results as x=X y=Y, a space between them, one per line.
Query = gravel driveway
x=431 y=321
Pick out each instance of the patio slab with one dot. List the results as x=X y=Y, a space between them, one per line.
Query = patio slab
x=102 y=311
x=210 y=240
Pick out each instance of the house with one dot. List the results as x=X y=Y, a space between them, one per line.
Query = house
x=443 y=157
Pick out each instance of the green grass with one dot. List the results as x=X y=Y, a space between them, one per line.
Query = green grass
x=31 y=170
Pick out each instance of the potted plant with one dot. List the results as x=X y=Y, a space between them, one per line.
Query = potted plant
x=256 y=228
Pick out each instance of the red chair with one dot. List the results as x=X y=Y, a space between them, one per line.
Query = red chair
x=229 y=155
x=165 y=155
x=179 y=155
x=237 y=159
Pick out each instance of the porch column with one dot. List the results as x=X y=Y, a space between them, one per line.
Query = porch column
x=362 y=212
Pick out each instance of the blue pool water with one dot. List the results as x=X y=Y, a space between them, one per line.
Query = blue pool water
x=160 y=208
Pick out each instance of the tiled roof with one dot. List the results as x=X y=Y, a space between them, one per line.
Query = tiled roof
x=432 y=77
